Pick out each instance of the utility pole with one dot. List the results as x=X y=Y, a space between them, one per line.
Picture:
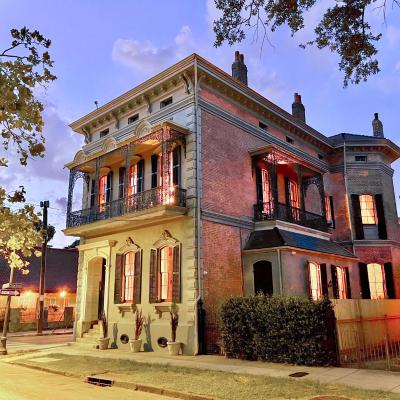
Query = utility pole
x=3 y=348
x=44 y=205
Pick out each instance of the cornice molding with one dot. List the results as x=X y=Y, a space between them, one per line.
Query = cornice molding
x=225 y=219
x=380 y=166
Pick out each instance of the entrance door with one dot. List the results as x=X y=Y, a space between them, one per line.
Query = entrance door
x=101 y=290
x=262 y=271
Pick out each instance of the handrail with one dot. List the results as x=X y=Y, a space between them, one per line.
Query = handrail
x=172 y=196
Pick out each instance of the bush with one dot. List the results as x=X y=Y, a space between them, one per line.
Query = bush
x=279 y=329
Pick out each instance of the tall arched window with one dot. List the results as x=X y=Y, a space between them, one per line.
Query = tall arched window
x=166 y=273
x=314 y=271
x=129 y=277
x=376 y=278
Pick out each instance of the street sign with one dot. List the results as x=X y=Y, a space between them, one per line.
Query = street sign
x=12 y=286
x=10 y=292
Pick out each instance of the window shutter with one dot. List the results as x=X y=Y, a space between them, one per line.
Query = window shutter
x=259 y=186
x=348 y=284
x=358 y=226
x=137 y=281
x=153 y=286
x=390 y=291
x=140 y=176
x=308 y=274
x=154 y=171
x=364 y=282
x=121 y=182
x=324 y=280
x=381 y=217
x=109 y=187
x=332 y=211
x=119 y=264
x=176 y=166
x=287 y=191
x=176 y=274
x=92 y=195
x=335 y=286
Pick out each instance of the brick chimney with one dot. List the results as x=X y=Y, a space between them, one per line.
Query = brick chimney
x=239 y=69
x=377 y=126
x=298 y=109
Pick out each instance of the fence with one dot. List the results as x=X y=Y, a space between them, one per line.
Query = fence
x=368 y=333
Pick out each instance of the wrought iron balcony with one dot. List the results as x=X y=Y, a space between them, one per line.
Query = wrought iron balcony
x=160 y=196
x=269 y=212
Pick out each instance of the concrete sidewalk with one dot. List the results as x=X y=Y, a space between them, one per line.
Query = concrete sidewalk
x=363 y=379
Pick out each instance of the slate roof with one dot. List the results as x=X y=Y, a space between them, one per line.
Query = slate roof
x=278 y=238
x=61 y=271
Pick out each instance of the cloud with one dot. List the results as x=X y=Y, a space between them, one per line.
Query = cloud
x=146 y=57
x=61 y=202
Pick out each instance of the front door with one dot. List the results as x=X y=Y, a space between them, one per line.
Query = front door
x=101 y=290
x=263 y=278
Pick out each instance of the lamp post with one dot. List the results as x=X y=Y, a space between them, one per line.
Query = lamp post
x=3 y=348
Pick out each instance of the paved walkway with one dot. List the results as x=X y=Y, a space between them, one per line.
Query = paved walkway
x=364 y=379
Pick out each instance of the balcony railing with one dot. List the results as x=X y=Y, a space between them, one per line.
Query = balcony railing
x=173 y=196
x=269 y=212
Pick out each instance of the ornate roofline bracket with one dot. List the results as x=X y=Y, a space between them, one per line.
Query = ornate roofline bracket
x=166 y=239
x=129 y=246
x=188 y=83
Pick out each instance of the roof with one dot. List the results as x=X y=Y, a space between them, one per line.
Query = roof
x=281 y=238
x=61 y=271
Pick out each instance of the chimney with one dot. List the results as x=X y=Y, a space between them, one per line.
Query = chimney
x=377 y=126
x=298 y=109
x=239 y=69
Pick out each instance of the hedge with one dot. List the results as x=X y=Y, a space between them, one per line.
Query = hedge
x=279 y=329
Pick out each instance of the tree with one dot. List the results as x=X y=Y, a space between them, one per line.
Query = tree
x=343 y=29
x=51 y=230
x=24 y=66
x=73 y=245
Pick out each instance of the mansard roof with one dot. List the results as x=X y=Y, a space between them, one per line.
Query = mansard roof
x=276 y=237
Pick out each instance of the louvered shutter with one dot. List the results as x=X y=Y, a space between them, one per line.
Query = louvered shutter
x=308 y=275
x=335 y=286
x=381 y=217
x=153 y=284
x=364 y=281
x=176 y=274
x=119 y=265
x=140 y=176
x=390 y=290
x=176 y=166
x=137 y=281
x=332 y=211
x=358 y=226
x=324 y=280
x=348 y=284
x=259 y=186
x=92 y=194
x=121 y=182
x=109 y=187
x=154 y=171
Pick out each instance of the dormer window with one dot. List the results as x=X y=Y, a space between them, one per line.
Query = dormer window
x=104 y=132
x=166 y=102
x=360 y=158
x=133 y=119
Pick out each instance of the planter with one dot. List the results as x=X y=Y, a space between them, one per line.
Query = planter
x=135 y=345
x=174 y=348
x=103 y=343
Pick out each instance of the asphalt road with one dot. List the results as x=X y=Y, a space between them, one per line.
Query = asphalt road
x=18 y=343
x=20 y=383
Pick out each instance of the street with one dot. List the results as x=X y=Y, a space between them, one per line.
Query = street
x=32 y=342
x=20 y=383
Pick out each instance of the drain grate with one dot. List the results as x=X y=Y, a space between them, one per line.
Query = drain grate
x=298 y=374
x=93 y=380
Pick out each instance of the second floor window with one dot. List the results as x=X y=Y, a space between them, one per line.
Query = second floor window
x=368 y=212
x=102 y=192
x=121 y=183
x=104 y=132
x=368 y=216
x=154 y=170
x=166 y=102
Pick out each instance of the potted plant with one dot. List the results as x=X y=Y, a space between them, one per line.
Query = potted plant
x=104 y=341
x=136 y=343
x=174 y=346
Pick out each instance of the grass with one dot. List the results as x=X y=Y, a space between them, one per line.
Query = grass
x=221 y=385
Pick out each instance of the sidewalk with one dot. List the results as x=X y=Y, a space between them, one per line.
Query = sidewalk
x=58 y=331
x=362 y=379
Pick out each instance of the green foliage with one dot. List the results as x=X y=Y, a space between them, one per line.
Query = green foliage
x=139 y=322
x=51 y=231
x=174 y=324
x=278 y=329
x=343 y=29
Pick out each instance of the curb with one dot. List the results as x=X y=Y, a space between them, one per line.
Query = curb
x=127 y=385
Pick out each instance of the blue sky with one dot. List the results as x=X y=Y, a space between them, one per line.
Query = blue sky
x=104 y=48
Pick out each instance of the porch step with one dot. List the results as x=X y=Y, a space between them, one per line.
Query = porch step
x=90 y=337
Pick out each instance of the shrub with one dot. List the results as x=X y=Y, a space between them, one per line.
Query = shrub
x=279 y=329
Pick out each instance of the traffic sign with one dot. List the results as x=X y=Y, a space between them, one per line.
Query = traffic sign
x=12 y=286
x=10 y=292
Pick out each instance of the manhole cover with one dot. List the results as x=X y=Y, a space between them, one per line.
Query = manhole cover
x=298 y=374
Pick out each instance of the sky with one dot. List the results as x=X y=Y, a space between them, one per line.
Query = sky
x=104 y=48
